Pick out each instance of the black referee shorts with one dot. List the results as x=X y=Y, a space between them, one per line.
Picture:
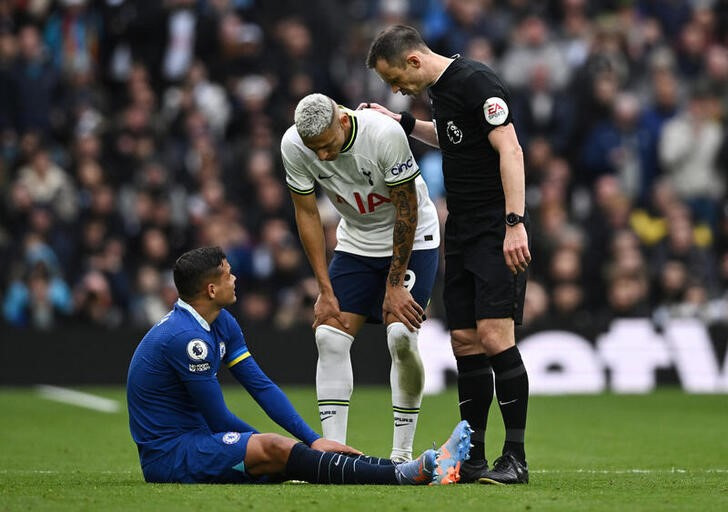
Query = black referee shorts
x=478 y=284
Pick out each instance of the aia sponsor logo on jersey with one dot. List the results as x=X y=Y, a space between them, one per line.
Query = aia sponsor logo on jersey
x=495 y=110
x=366 y=206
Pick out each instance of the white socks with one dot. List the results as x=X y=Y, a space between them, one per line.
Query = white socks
x=334 y=381
x=407 y=378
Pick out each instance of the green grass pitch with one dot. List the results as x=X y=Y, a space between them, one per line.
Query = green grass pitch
x=664 y=451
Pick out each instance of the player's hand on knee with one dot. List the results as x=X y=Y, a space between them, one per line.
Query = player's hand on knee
x=398 y=301
x=327 y=445
x=326 y=308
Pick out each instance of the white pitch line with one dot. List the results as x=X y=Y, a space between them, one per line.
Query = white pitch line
x=539 y=471
x=78 y=398
x=633 y=471
x=57 y=472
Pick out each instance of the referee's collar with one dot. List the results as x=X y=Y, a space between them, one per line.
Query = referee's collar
x=194 y=313
x=454 y=58
x=354 y=130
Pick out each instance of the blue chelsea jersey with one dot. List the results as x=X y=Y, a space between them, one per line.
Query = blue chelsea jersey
x=181 y=347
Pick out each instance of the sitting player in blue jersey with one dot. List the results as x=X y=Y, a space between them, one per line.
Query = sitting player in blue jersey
x=184 y=431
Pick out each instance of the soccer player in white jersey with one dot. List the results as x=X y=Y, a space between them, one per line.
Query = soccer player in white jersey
x=386 y=257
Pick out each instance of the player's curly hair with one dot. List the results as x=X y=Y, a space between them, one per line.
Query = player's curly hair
x=195 y=268
x=314 y=114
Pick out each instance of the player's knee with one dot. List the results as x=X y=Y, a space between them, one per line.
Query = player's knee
x=496 y=335
x=401 y=341
x=465 y=343
x=275 y=447
x=333 y=343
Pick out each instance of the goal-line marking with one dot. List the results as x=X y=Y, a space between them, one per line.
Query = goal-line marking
x=78 y=398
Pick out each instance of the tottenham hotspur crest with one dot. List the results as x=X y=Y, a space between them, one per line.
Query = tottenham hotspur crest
x=454 y=133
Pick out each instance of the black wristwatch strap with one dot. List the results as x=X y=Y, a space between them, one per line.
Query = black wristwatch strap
x=513 y=218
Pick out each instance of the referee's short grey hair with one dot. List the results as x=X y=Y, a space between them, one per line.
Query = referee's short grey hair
x=314 y=114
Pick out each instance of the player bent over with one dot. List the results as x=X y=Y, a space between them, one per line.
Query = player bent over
x=184 y=431
x=385 y=260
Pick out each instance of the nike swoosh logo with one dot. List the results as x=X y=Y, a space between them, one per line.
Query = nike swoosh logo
x=322 y=177
x=337 y=461
x=508 y=402
x=465 y=402
x=324 y=418
x=401 y=424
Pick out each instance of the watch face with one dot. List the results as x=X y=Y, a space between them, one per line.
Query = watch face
x=512 y=219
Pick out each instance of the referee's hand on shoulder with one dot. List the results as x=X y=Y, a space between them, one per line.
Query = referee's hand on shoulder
x=379 y=108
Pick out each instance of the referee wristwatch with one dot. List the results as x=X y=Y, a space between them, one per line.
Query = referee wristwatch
x=513 y=218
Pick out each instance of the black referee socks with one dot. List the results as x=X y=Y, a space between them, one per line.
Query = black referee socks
x=511 y=387
x=475 y=393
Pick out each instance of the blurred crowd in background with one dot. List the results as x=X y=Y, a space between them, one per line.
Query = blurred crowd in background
x=133 y=130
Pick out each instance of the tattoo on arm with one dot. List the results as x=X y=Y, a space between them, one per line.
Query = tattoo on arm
x=404 y=199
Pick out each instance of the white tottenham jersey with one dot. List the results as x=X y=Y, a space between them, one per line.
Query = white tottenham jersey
x=375 y=158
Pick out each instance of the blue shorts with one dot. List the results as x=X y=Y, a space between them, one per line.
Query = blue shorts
x=199 y=458
x=360 y=281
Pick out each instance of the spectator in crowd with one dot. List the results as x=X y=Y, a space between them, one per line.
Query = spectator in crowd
x=72 y=33
x=688 y=151
x=50 y=185
x=532 y=49
x=36 y=83
x=38 y=297
x=148 y=304
x=93 y=303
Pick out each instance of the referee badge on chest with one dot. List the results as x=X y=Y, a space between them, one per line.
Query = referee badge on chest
x=454 y=133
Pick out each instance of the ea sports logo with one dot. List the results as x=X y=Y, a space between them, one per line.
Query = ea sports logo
x=495 y=110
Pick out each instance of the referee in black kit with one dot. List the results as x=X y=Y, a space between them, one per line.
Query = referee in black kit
x=486 y=233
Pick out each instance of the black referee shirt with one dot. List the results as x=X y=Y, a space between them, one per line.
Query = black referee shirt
x=468 y=101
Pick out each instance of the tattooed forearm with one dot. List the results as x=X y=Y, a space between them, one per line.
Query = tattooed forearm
x=404 y=199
